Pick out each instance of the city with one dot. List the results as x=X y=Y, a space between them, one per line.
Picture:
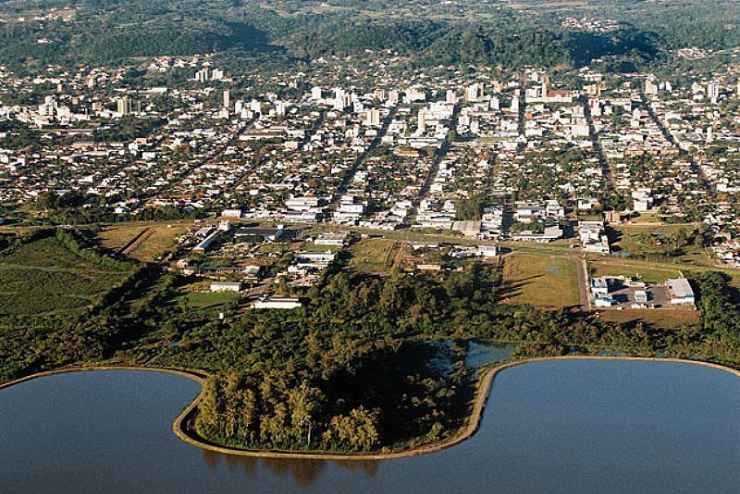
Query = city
x=345 y=238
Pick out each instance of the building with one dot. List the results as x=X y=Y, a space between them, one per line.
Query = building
x=487 y=250
x=600 y=287
x=372 y=117
x=332 y=239
x=280 y=303
x=226 y=286
x=470 y=228
x=680 y=291
x=642 y=296
x=206 y=242
x=123 y=105
x=234 y=214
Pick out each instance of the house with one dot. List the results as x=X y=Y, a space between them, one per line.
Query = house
x=232 y=214
x=226 y=286
x=253 y=235
x=253 y=273
x=641 y=296
x=281 y=303
x=550 y=234
x=468 y=228
x=680 y=291
x=487 y=250
x=333 y=239
x=206 y=242
x=593 y=237
x=605 y=301
x=600 y=287
x=429 y=267
x=587 y=204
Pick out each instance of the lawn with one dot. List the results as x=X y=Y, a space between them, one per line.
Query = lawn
x=154 y=240
x=45 y=277
x=374 y=255
x=541 y=280
x=208 y=300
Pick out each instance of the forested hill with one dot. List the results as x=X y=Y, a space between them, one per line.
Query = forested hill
x=39 y=32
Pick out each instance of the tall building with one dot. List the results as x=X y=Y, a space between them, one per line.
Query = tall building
x=473 y=92
x=421 y=121
x=651 y=89
x=123 y=105
x=279 y=108
x=372 y=117
x=713 y=91
x=202 y=75
x=545 y=85
x=316 y=93
x=339 y=99
x=227 y=99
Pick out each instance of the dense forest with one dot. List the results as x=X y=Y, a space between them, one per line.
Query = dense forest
x=107 y=32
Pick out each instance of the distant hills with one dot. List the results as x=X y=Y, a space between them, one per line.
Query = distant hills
x=34 y=33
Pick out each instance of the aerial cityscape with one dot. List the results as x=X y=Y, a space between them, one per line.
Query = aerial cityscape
x=370 y=246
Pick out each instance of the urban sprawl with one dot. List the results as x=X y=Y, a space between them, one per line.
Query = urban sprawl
x=468 y=161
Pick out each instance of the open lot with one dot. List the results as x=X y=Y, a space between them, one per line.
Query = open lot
x=656 y=241
x=45 y=277
x=374 y=255
x=541 y=280
x=143 y=242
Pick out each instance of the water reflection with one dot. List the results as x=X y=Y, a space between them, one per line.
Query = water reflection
x=304 y=473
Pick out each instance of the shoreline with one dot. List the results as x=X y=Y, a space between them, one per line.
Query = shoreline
x=472 y=421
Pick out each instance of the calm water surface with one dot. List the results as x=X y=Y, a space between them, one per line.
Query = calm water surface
x=551 y=427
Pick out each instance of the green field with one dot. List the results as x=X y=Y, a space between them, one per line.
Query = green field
x=540 y=280
x=44 y=276
x=658 y=241
x=374 y=255
x=207 y=300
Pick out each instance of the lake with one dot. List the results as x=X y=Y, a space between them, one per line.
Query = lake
x=580 y=426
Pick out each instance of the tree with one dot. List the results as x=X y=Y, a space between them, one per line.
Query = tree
x=357 y=431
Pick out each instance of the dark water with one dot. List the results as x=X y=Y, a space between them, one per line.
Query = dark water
x=482 y=353
x=553 y=427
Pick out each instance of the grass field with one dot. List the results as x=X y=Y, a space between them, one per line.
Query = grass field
x=155 y=240
x=44 y=277
x=645 y=271
x=208 y=300
x=638 y=241
x=374 y=255
x=541 y=280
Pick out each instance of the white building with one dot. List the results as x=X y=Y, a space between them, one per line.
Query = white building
x=281 y=303
x=226 y=286
x=680 y=291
